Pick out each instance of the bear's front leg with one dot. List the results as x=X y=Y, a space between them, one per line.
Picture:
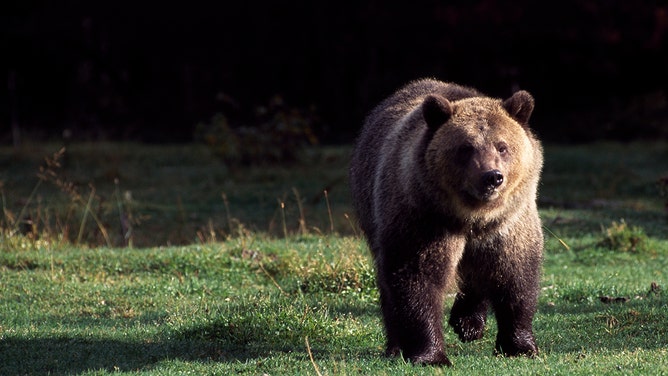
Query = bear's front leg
x=515 y=335
x=514 y=304
x=389 y=320
x=413 y=319
x=412 y=287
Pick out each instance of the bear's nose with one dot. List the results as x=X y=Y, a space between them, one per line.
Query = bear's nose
x=493 y=179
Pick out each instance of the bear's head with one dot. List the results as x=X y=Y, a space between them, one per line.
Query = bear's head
x=481 y=152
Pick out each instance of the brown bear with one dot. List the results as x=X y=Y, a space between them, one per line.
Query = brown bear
x=444 y=182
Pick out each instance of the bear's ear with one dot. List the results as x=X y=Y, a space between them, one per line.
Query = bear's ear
x=519 y=106
x=436 y=110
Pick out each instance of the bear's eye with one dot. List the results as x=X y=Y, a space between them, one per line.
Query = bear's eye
x=502 y=148
x=464 y=153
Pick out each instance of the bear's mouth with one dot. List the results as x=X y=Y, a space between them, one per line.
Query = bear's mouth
x=488 y=194
x=482 y=195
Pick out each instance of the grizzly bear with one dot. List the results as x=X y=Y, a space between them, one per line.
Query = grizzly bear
x=444 y=182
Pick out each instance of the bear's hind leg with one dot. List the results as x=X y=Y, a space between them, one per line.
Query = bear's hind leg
x=468 y=316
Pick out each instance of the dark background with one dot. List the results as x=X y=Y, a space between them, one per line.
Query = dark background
x=150 y=71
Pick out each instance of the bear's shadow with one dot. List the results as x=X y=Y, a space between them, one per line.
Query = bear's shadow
x=213 y=342
x=218 y=341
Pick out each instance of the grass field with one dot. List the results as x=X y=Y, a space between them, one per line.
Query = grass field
x=179 y=265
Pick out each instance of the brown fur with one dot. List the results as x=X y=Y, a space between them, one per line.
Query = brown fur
x=444 y=183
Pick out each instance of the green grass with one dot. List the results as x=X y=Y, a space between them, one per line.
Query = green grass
x=244 y=300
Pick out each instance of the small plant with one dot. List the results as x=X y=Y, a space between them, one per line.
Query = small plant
x=624 y=238
x=50 y=172
x=275 y=133
x=220 y=137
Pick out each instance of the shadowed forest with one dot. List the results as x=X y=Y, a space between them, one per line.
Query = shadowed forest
x=158 y=72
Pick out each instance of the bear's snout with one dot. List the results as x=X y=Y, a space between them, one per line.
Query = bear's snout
x=486 y=188
x=492 y=179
